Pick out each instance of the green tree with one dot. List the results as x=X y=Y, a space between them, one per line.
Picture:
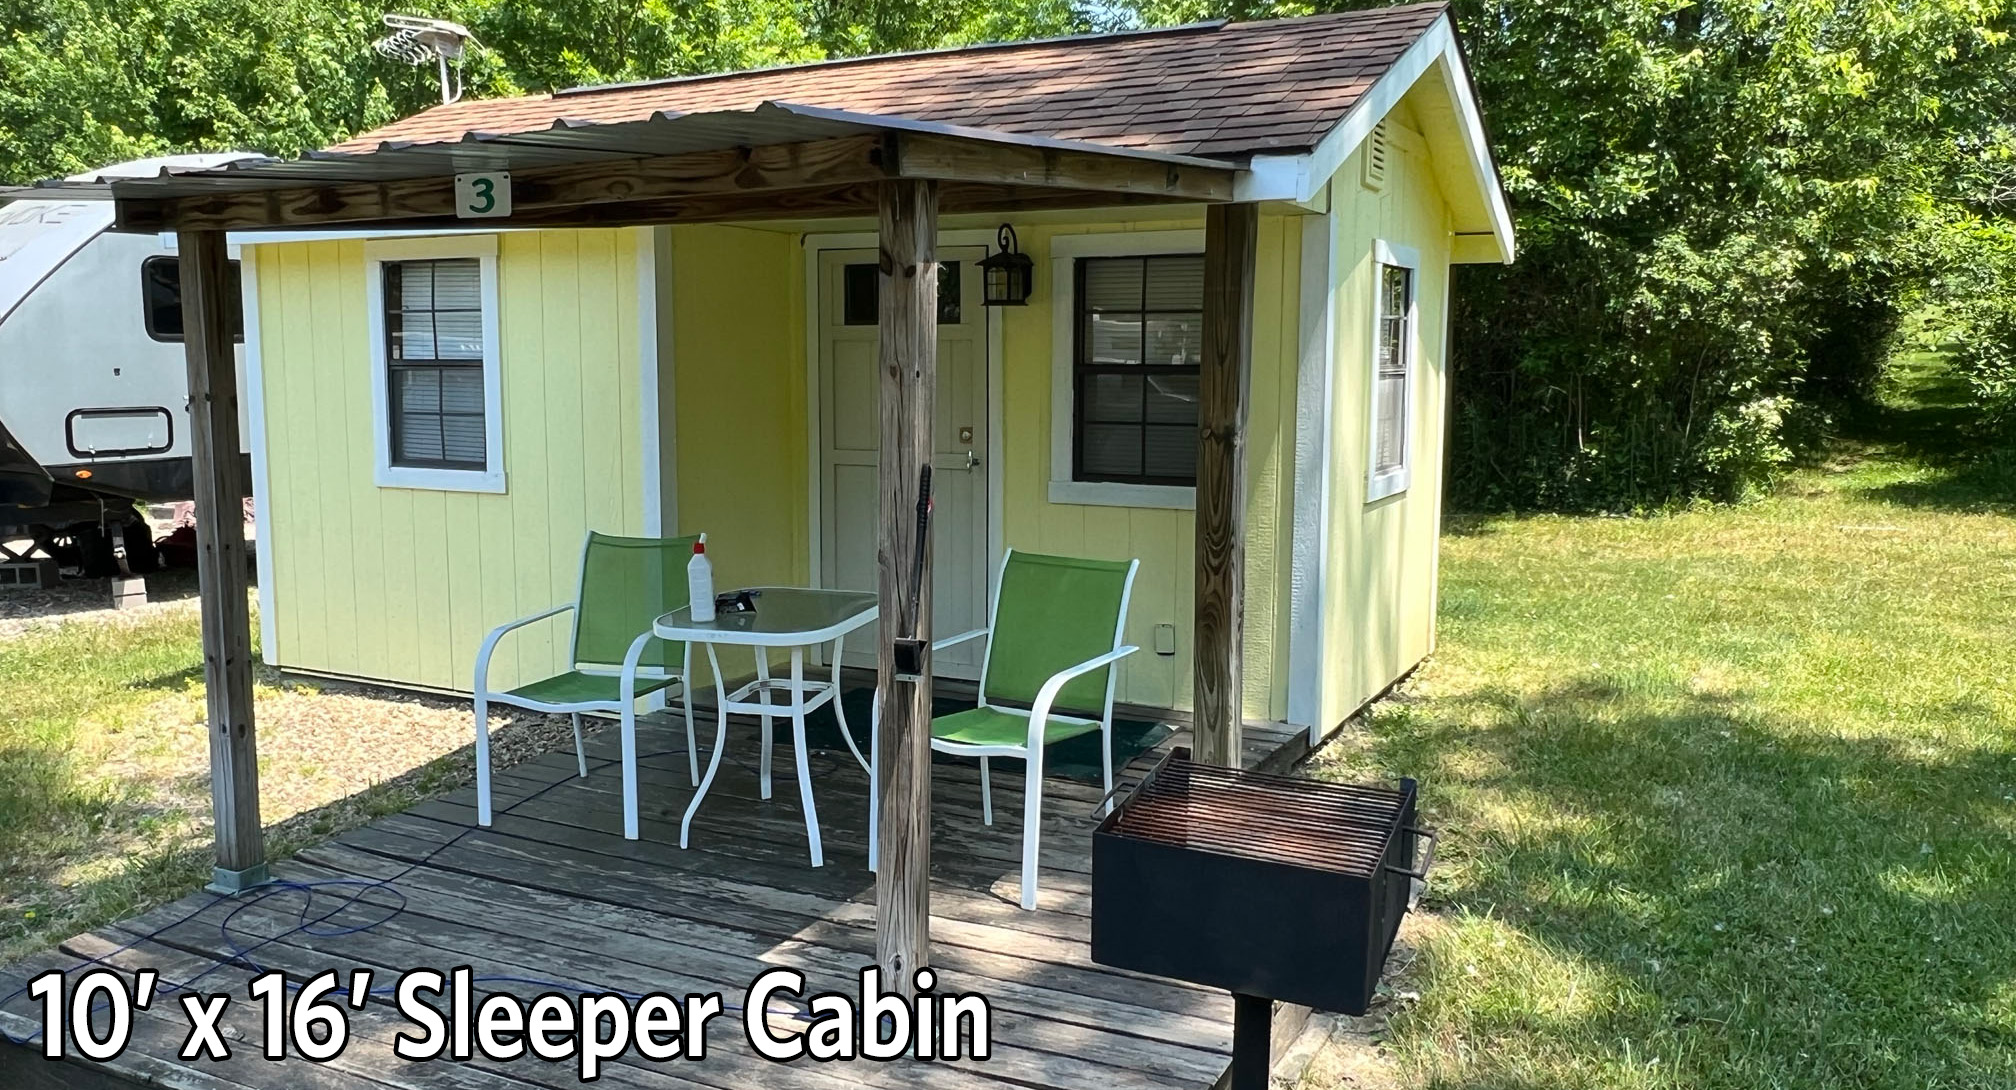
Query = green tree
x=1720 y=206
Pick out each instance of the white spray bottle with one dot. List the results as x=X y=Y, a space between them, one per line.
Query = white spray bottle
x=700 y=582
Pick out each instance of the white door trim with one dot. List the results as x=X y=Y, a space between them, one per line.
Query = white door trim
x=810 y=245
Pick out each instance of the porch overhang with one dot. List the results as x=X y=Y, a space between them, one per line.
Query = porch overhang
x=778 y=160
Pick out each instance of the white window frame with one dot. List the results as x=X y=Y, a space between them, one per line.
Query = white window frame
x=377 y=253
x=1379 y=486
x=1065 y=250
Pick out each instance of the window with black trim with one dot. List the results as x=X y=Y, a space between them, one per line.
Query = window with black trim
x=161 y=298
x=1140 y=335
x=1389 y=372
x=434 y=357
x=861 y=293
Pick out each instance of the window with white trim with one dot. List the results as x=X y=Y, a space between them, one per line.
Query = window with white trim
x=1392 y=372
x=1126 y=332
x=436 y=390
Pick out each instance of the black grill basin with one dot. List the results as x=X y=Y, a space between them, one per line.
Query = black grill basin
x=1265 y=885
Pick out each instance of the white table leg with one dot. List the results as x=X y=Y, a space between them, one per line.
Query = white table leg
x=720 y=744
x=763 y=697
x=840 y=714
x=798 y=746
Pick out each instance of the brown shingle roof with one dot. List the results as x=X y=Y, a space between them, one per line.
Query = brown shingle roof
x=1225 y=90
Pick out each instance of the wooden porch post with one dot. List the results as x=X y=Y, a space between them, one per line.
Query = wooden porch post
x=909 y=368
x=220 y=566
x=1230 y=232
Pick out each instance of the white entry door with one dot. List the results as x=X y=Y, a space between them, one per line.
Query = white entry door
x=850 y=439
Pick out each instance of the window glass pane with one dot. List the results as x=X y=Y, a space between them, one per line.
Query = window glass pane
x=458 y=335
x=1111 y=450
x=1144 y=313
x=410 y=286
x=1172 y=399
x=859 y=294
x=1111 y=283
x=1389 y=422
x=415 y=340
x=1175 y=283
x=434 y=332
x=462 y=439
x=462 y=390
x=1172 y=452
x=161 y=298
x=419 y=389
x=419 y=439
x=458 y=285
x=948 y=293
x=1175 y=340
x=1113 y=399
x=1113 y=339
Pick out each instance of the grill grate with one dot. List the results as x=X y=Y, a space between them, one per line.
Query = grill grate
x=1339 y=828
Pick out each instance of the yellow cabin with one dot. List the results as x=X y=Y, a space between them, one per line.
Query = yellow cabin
x=691 y=371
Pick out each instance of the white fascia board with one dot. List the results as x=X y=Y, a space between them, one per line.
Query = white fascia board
x=1437 y=43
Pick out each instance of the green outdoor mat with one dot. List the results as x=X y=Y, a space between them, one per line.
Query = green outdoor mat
x=1074 y=758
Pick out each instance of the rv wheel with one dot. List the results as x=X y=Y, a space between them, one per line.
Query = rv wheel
x=138 y=538
x=95 y=553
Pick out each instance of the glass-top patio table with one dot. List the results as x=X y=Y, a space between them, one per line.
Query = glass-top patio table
x=793 y=617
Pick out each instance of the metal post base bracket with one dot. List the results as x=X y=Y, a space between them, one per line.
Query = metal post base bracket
x=233 y=882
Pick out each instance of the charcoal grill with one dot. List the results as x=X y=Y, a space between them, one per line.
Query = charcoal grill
x=1271 y=887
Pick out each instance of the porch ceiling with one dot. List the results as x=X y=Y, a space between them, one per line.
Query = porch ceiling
x=777 y=160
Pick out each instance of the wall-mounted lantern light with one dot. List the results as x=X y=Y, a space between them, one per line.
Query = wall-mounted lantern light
x=1008 y=274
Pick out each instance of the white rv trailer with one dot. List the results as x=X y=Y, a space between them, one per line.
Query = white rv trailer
x=93 y=383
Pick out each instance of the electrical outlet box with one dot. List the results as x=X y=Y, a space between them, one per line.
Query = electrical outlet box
x=1165 y=639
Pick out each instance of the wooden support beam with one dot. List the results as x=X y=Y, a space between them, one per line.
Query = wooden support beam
x=908 y=365
x=726 y=172
x=857 y=199
x=207 y=320
x=951 y=158
x=1230 y=235
x=807 y=180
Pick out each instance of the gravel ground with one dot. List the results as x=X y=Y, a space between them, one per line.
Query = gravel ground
x=24 y=609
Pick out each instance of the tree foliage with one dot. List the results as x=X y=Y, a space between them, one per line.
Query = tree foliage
x=84 y=83
x=1721 y=206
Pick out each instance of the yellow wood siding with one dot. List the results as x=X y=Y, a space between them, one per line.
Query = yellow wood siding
x=401 y=584
x=1379 y=609
x=738 y=361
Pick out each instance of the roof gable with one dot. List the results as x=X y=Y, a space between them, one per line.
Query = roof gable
x=1221 y=90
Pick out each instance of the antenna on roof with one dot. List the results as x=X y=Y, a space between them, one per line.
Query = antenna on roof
x=416 y=40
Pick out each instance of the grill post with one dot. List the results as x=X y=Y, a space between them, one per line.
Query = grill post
x=1252 y=1041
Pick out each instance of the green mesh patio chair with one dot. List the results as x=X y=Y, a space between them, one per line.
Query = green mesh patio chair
x=625 y=584
x=1057 y=626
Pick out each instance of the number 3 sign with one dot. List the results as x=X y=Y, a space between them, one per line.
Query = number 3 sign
x=482 y=196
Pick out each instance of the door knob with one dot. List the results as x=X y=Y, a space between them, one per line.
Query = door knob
x=972 y=461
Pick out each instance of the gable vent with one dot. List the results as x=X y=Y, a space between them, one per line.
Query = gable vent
x=1376 y=152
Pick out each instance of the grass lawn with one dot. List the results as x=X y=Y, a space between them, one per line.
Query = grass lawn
x=1728 y=796
x=104 y=765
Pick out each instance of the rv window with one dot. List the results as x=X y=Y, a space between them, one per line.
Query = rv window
x=161 y=299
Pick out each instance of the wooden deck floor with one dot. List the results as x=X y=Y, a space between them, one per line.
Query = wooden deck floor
x=554 y=893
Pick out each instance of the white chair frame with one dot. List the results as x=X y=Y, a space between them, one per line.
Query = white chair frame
x=1030 y=751
x=625 y=706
